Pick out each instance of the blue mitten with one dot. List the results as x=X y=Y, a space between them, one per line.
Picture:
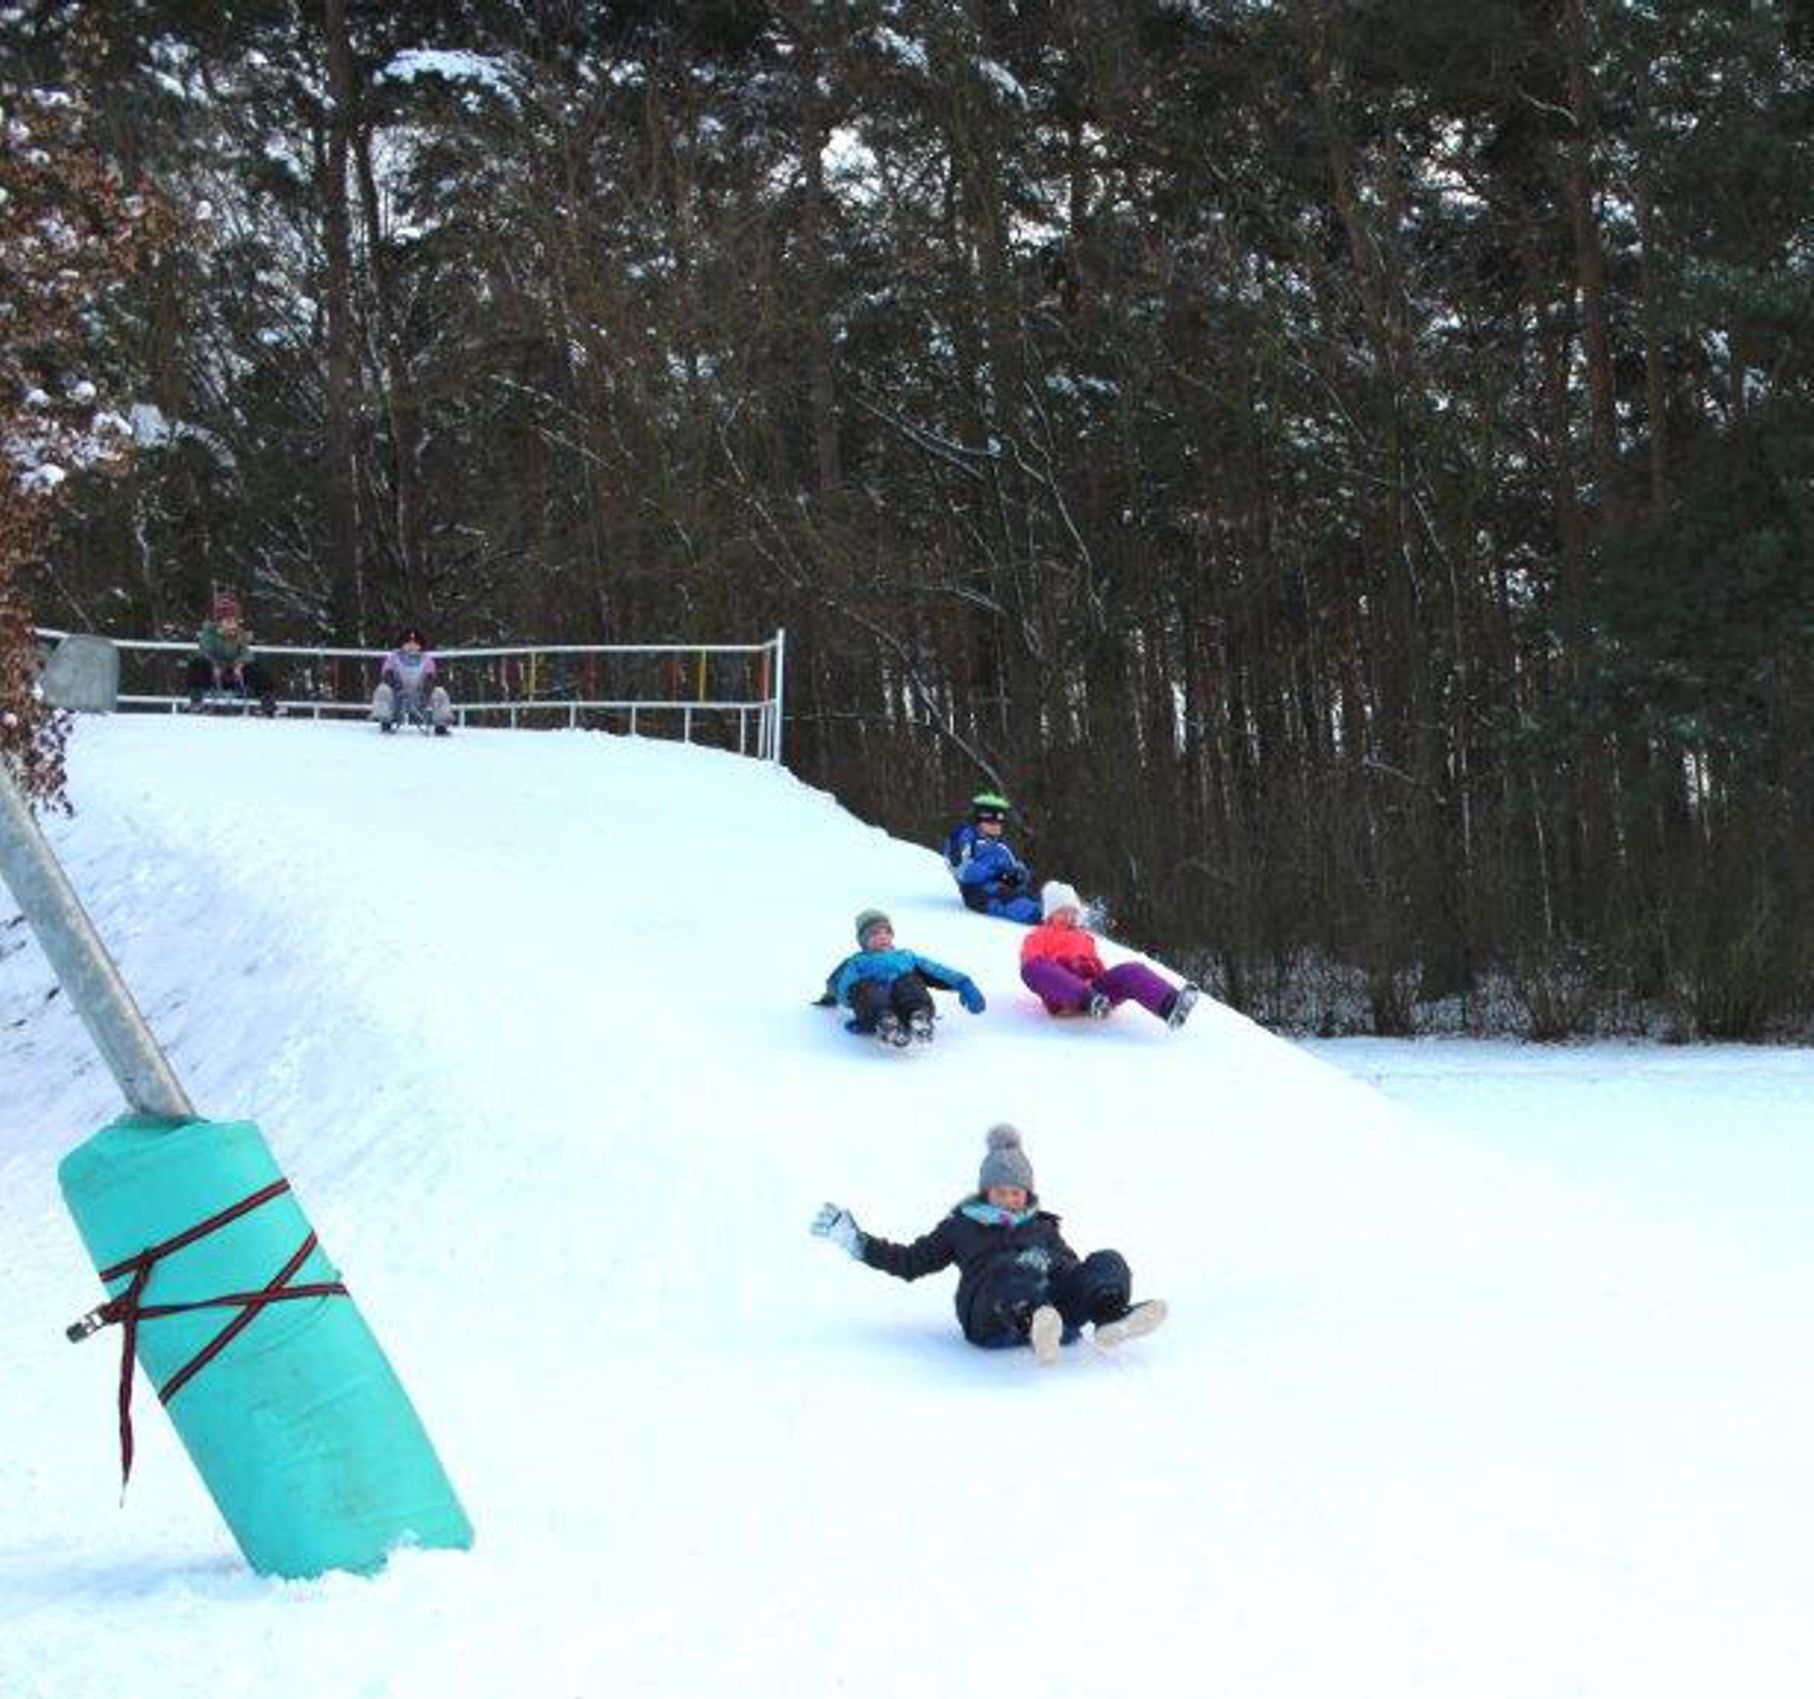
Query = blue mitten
x=971 y=997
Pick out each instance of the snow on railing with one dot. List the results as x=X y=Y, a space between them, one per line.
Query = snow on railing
x=729 y=694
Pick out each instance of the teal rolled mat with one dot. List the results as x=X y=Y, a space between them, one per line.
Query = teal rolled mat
x=297 y=1423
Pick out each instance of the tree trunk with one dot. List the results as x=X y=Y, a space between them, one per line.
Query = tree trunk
x=1590 y=259
x=1656 y=396
x=814 y=135
x=346 y=595
x=400 y=392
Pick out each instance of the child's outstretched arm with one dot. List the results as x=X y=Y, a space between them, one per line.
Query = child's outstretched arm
x=926 y=1255
x=942 y=978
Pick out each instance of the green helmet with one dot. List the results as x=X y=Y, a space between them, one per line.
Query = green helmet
x=989 y=805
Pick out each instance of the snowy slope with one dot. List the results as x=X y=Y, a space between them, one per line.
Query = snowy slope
x=525 y=1019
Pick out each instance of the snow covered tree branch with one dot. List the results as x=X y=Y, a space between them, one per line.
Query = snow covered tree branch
x=70 y=233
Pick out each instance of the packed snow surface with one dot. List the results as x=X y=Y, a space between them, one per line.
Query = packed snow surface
x=1493 y=1383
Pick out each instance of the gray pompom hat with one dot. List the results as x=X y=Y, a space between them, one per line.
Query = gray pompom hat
x=1006 y=1164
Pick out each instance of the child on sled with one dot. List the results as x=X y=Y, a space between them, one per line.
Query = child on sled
x=407 y=692
x=888 y=991
x=1018 y=1282
x=224 y=670
x=1060 y=966
x=991 y=878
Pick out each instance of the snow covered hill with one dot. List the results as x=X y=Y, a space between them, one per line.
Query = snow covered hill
x=525 y=1018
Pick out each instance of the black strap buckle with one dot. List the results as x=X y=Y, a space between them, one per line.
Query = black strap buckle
x=92 y=1323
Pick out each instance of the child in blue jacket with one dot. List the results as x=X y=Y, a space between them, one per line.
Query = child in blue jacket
x=991 y=878
x=889 y=991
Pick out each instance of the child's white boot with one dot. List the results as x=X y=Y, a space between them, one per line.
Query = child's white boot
x=1141 y=1319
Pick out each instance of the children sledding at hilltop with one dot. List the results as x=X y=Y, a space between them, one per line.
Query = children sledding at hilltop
x=1018 y=1283
x=888 y=991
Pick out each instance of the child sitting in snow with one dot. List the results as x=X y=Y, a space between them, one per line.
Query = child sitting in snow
x=1059 y=964
x=407 y=690
x=991 y=878
x=1018 y=1282
x=889 y=991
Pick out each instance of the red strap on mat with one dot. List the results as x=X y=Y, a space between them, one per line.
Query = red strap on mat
x=129 y=1312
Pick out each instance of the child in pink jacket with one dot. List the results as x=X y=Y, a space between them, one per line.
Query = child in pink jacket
x=1059 y=965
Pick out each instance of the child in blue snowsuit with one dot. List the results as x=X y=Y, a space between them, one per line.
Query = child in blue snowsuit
x=1018 y=1283
x=889 y=991
x=991 y=878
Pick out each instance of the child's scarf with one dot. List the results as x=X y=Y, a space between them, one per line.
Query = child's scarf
x=993 y=1215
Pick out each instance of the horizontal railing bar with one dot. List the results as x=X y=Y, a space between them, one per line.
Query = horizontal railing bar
x=561 y=704
x=171 y=645
x=603 y=649
x=510 y=705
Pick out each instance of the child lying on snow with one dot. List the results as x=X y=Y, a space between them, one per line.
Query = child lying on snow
x=1059 y=964
x=889 y=991
x=1018 y=1282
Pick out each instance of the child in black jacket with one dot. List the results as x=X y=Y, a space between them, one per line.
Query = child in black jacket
x=1019 y=1283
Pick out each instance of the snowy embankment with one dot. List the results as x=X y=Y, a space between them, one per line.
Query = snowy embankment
x=1440 y=1411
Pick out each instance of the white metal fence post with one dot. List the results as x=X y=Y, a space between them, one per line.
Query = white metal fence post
x=780 y=686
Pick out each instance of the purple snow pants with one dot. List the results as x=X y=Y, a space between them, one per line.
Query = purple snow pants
x=1066 y=993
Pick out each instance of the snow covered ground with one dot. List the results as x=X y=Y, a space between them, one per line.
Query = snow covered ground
x=1488 y=1375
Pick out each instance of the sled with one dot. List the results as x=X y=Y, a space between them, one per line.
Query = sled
x=233 y=703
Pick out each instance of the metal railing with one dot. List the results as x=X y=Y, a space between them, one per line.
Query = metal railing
x=729 y=695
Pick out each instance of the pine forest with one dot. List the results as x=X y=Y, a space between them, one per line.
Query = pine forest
x=1344 y=468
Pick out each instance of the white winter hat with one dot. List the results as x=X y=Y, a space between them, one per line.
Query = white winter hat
x=1055 y=895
